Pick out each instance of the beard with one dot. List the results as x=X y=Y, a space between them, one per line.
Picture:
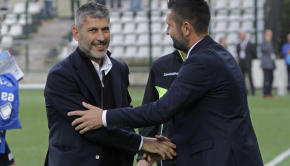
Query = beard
x=180 y=42
x=87 y=48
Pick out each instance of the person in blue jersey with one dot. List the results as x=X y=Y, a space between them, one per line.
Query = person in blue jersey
x=6 y=158
x=9 y=104
x=286 y=54
x=162 y=74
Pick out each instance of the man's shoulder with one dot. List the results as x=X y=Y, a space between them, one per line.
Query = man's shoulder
x=63 y=65
x=118 y=63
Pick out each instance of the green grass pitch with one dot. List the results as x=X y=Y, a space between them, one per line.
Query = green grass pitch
x=270 y=119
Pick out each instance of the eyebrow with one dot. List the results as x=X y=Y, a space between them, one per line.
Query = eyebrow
x=90 y=28
x=95 y=28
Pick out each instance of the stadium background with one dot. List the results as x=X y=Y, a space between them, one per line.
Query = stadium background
x=37 y=45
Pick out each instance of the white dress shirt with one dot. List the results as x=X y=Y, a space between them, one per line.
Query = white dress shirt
x=107 y=66
x=243 y=46
x=192 y=48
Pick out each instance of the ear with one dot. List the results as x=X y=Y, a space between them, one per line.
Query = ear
x=76 y=32
x=186 y=29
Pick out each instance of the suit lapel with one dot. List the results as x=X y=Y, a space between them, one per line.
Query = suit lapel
x=86 y=76
x=116 y=85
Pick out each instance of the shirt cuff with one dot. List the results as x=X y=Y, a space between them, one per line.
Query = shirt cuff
x=141 y=143
x=104 y=119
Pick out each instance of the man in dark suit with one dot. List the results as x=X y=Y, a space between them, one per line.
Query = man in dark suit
x=207 y=101
x=246 y=53
x=89 y=74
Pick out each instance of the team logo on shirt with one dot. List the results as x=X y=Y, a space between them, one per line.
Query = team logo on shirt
x=5 y=110
x=3 y=82
x=170 y=74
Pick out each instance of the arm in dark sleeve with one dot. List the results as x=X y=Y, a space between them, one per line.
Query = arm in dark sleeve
x=238 y=49
x=253 y=51
x=150 y=95
x=192 y=83
x=129 y=99
x=63 y=93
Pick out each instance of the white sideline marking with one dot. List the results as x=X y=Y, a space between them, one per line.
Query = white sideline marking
x=279 y=158
x=31 y=86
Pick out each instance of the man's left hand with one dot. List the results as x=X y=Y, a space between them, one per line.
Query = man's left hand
x=90 y=119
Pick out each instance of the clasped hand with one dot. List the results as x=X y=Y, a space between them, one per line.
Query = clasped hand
x=157 y=148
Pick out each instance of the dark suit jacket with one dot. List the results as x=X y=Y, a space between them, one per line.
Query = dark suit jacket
x=68 y=84
x=250 y=55
x=208 y=104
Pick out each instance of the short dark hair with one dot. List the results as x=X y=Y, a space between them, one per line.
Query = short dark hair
x=196 y=12
x=94 y=10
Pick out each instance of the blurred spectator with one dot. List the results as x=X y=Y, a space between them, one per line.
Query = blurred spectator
x=48 y=9
x=246 y=53
x=119 y=3
x=223 y=42
x=267 y=63
x=286 y=53
x=73 y=2
x=103 y=2
x=1 y=19
x=136 y=5
x=5 y=5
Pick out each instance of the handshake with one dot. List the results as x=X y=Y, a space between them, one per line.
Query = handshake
x=156 y=149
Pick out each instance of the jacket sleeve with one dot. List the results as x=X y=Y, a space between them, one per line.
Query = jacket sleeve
x=238 y=48
x=150 y=95
x=129 y=99
x=192 y=82
x=253 y=51
x=63 y=94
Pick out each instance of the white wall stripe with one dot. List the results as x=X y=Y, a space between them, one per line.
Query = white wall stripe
x=31 y=86
x=279 y=158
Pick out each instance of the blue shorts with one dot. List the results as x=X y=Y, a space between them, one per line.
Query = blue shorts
x=6 y=158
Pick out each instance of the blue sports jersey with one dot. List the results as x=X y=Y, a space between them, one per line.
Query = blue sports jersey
x=9 y=102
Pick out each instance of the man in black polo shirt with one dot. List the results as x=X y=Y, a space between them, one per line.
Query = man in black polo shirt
x=162 y=74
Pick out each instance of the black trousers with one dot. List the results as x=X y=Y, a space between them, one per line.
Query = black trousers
x=268 y=80
x=249 y=72
x=247 y=69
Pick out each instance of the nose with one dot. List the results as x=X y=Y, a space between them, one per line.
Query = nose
x=100 y=36
x=167 y=30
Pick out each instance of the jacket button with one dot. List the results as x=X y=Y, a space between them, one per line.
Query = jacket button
x=97 y=157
